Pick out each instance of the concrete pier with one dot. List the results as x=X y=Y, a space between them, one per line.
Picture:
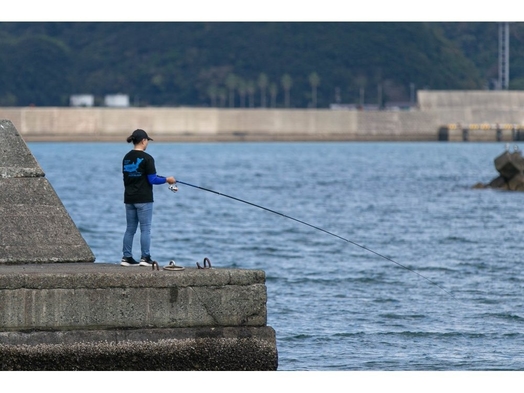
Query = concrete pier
x=93 y=316
x=61 y=311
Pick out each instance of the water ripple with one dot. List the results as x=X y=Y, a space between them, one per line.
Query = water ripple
x=333 y=305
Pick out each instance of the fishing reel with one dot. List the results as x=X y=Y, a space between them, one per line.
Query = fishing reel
x=173 y=187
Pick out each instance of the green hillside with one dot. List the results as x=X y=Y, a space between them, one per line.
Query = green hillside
x=243 y=64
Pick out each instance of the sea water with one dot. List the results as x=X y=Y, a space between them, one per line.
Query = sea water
x=430 y=277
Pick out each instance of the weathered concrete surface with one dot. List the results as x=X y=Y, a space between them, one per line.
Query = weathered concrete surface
x=209 y=349
x=36 y=227
x=94 y=316
x=108 y=296
x=16 y=160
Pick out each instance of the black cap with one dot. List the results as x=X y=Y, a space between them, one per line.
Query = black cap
x=138 y=135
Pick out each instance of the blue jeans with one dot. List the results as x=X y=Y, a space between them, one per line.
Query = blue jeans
x=138 y=213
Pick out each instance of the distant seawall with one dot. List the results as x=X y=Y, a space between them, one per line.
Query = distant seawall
x=435 y=109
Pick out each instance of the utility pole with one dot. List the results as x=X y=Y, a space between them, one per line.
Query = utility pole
x=503 y=55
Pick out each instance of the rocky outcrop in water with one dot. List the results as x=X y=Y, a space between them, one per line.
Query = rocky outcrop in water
x=510 y=166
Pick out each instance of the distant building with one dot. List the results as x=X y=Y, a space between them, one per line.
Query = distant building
x=118 y=100
x=82 y=100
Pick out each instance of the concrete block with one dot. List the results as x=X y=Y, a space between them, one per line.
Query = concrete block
x=36 y=227
x=16 y=160
x=516 y=183
x=509 y=164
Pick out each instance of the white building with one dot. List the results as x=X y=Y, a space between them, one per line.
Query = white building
x=118 y=100
x=82 y=100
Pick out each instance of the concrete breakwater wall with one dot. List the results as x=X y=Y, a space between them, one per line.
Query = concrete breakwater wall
x=436 y=109
x=213 y=124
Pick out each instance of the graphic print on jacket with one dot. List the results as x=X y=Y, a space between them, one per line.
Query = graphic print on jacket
x=136 y=166
x=132 y=168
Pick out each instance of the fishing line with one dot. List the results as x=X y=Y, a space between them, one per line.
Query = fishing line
x=174 y=188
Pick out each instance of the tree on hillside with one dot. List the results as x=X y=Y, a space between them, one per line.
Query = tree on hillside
x=361 y=82
x=231 y=83
x=338 y=96
x=287 y=82
x=314 y=81
x=273 y=91
x=222 y=96
x=241 y=88
x=250 y=89
x=263 y=81
x=212 y=92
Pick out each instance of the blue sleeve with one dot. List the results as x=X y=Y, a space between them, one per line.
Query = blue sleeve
x=155 y=179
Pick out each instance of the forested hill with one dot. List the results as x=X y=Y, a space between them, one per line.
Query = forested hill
x=296 y=64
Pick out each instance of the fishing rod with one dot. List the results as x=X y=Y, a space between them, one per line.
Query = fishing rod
x=174 y=188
